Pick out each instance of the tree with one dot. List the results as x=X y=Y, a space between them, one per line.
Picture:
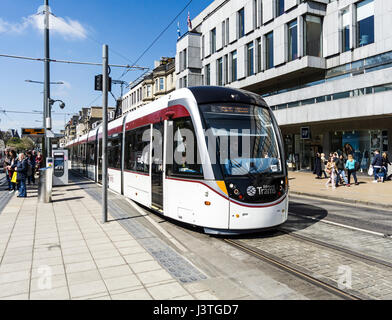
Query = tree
x=19 y=145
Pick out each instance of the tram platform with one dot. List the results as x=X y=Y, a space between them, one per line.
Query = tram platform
x=366 y=193
x=61 y=251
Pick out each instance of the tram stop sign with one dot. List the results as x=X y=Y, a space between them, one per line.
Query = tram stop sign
x=36 y=132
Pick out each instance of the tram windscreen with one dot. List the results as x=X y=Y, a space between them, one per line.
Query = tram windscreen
x=242 y=139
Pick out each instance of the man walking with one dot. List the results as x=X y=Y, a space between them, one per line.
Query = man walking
x=340 y=166
x=377 y=165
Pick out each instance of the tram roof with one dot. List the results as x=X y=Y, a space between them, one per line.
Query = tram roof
x=214 y=94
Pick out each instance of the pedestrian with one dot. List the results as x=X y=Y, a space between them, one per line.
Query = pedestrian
x=385 y=163
x=30 y=168
x=340 y=166
x=352 y=166
x=39 y=161
x=7 y=162
x=11 y=170
x=377 y=167
x=20 y=167
x=317 y=166
x=323 y=163
x=331 y=170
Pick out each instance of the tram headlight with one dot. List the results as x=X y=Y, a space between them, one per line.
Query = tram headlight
x=236 y=192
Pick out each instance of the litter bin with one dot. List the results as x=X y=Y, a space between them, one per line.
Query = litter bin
x=45 y=185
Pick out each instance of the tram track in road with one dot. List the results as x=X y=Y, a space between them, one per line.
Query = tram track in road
x=264 y=256
x=319 y=253
x=337 y=248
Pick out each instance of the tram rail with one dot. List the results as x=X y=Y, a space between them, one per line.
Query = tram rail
x=276 y=261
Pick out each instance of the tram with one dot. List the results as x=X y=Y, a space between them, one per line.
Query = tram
x=211 y=157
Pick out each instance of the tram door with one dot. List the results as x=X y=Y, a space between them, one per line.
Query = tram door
x=99 y=161
x=157 y=166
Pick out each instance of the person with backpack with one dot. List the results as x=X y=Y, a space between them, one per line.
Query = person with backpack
x=352 y=167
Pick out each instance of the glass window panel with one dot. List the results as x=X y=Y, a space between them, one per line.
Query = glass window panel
x=137 y=151
x=313 y=33
x=234 y=66
x=241 y=23
x=250 y=59
x=293 y=40
x=270 y=50
x=365 y=22
x=185 y=150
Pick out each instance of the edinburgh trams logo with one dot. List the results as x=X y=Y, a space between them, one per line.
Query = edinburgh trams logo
x=251 y=191
x=264 y=190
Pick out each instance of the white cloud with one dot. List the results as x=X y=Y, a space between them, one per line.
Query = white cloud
x=66 y=27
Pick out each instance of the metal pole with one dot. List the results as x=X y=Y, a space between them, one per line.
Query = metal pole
x=105 y=87
x=47 y=79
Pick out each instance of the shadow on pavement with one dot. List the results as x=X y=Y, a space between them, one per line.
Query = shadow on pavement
x=68 y=199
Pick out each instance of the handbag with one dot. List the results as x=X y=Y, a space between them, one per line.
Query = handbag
x=14 y=177
x=370 y=171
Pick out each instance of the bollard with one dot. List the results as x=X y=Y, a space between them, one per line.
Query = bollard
x=45 y=185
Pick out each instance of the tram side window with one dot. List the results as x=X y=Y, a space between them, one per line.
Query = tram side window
x=185 y=160
x=91 y=153
x=114 y=151
x=137 y=151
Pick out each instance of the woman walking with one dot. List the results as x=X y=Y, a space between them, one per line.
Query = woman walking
x=11 y=170
x=331 y=170
x=317 y=166
x=323 y=164
x=20 y=166
x=385 y=163
x=351 y=170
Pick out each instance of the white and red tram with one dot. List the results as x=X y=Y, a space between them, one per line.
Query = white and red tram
x=185 y=156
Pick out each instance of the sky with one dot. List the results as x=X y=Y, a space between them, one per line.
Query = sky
x=78 y=31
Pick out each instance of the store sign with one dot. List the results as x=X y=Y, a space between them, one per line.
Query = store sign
x=305 y=133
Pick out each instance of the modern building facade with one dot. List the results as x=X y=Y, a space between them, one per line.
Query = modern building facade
x=324 y=66
x=156 y=84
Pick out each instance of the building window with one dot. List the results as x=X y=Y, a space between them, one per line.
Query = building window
x=208 y=74
x=293 y=40
x=213 y=41
x=233 y=56
x=259 y=55
x=185 y=59
x=365 y=22
x=224 y=33
x=156 y=85
x=241 y=23
x=255 y=12
x=250 y=59
x=279 y=7
x=345 y=30
x=219 y=69
x=313 y=35
x=185 y=81
x=226 y=69
x=269 y=49
x=149 y=91
x=202 y=47
x=227 y=31
x=161 y=84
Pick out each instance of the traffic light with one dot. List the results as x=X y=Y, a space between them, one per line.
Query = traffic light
x=99 y=83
